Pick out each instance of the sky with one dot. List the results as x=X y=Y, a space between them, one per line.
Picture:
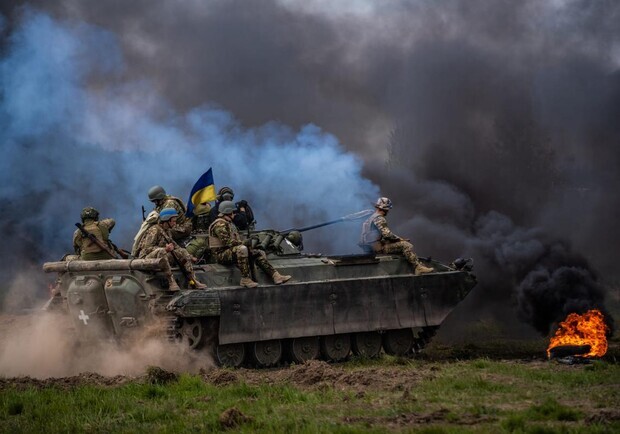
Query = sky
x=492 y=126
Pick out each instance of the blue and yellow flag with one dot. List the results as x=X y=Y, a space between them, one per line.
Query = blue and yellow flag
x=203 y=191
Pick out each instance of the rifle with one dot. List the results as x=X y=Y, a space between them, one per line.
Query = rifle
x=183 y=270
x=124 y=254
x=143 y=213
x=96 y=240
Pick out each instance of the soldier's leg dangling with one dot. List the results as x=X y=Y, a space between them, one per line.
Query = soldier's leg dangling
x=243 y=262
x=161 y=253
x=261 y=260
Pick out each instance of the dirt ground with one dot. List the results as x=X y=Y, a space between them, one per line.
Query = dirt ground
x=313 y=375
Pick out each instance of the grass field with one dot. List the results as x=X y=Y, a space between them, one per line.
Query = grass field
x=385 y=395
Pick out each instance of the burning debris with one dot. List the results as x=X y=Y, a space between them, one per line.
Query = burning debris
x=581 y=336
x=568 y=350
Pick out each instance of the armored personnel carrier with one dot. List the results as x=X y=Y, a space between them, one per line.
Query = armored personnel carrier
x=334 y=305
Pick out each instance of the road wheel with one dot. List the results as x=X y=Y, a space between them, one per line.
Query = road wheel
x=230 y=355
x=336 y=348
x=304 y=349
x=266 y=353
x=397 y=342
x=366 y=344
x=191 y=332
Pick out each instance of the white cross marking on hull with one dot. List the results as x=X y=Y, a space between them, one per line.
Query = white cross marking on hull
x=82 y=316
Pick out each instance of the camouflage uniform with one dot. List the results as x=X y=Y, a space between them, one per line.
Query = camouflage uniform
x=378 y=238
x=198 y=246
x=184 y=225
x=227 y=248
x=153 y=245
x=89 y=250
x=244 y=220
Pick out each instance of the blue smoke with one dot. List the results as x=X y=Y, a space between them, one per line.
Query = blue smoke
x=74 y=133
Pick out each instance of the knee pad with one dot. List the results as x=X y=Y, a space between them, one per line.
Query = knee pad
x=241 y=251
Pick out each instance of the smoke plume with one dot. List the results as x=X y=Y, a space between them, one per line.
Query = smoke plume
x=491 y=125
x=77 y=134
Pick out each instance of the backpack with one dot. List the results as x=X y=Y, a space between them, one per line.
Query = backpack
x=151 y=220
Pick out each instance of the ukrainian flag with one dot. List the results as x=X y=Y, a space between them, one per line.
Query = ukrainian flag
x=203 y=191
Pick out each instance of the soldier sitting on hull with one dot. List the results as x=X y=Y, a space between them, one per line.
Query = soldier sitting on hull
x=378 y=238
x=157 y=242
x=199 y=244
x=243 y=216
x=227 y=247
x=161 y=200
x=86 y=248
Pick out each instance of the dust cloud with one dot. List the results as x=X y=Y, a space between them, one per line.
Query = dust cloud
x=44 y=345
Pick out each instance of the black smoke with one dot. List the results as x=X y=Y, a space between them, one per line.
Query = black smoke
x=492 y=125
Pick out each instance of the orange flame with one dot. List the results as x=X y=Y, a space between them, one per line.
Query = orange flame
x=587 y=329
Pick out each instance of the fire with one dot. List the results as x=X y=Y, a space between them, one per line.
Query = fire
x=587 y=329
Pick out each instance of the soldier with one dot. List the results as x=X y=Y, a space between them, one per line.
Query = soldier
x=378 y=238
x=157 y=242
x=158 y=196
x=87 y=249
x=227 y=247
x=199 y=244
x=243 y=216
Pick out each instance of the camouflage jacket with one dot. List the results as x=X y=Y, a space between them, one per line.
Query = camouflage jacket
x=223 y=234
x=184 y=224
x=88 y=249
x=156 y=236
x=376 y=229
x=243 y=220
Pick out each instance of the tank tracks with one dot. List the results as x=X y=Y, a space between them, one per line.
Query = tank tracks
x=199 y=334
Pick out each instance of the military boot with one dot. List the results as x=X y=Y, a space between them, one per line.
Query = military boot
x=172 y=284
x=422 y=269
x=279 y=278
x=248 y=283
x=197 y=283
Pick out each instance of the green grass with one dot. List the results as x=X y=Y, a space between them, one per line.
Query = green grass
x=480 y=395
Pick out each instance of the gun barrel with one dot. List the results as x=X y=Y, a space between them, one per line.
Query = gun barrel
x=350 y=217
x=307 y=228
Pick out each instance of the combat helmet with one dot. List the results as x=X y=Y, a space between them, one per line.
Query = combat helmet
x=89 y=213
x=167 y=213
x=384 y=204
x=226 y=207
x=295 y=238
x=226 y=193
x=156 y=192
